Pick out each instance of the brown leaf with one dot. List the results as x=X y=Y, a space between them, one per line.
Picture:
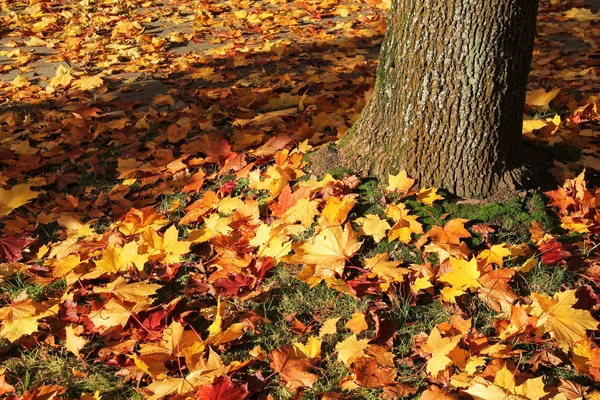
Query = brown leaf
x=293 y=372
x=434 y=393
x=495 y=289
x=372 y=375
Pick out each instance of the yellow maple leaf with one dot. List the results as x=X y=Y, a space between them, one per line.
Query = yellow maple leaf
x=530 y=125
x=328 y=250
x=400 y=183
x=463 y=277
x=329 y=327
x=121 y=259
x=304 y=211
x=504 y=387
x=581 y=14
x=404 y=228
x=351 y=349
x=557 y=316
x=428 y=196
x=439 y=348
x=111 y=314
x=541 y=98
x=21 y=317
x=336 y=210
x=494 y=255
x=216 y=334
x=88 y=82
x=421 y=283
x=357 y=323
x=63 y=77
x=168 y=248
x=15 y=197
x=73 y=341
x=312 y=348
x=374 y=226
x=213 y=225
x=387 y=270
x=138 y=292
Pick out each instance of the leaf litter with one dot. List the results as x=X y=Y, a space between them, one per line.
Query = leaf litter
x=153 y=189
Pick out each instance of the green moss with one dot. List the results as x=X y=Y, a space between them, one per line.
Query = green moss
x=339 y=173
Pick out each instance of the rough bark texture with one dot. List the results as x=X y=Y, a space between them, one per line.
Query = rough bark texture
x=448 y=100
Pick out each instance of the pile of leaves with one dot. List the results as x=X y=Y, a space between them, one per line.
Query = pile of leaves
x=162 y=239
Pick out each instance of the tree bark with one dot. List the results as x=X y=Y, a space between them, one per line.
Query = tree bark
x=448 y=99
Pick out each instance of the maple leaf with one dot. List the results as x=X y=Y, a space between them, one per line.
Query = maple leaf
x=581 y=14
x=370 y=373
x=73 y=341
x=304 y=211
x=404 y=228
x=63 y=77
x=439 y=348
x=463 y=277
x=386 y=269
x=222 y=389
x=12 y=246
x=216 y=334
x=15 y=197
x=428 y=196
x=121 y=259
x=451 y=233
x=137 y=292
x=541 y=98
x=111 y=314
x=329 y=249
x=336 y=210
x=161 y=388
x=374 y=226
x=168 y=248
x=329 y=327
x=294 y=372
x=312 y=348
x=434 y=393
x=351 y=349
x=494 y=255
x=400 y=183
x=21 y=317
x=357 y=323
x=213 y=225
x=88 y=82
x=496 y=291
x=504 y=387
x=557 y=316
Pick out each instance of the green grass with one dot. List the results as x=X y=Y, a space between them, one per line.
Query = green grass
x=15 y=285
x=413 y=319
x=44 y=366
x=174 y=204
x=309 y=305
x=544 y=278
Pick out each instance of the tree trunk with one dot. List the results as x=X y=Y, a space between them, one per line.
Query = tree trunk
x=449 y=96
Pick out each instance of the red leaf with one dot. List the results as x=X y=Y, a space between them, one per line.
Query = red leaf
x=234 y=285
x=12 y=246
x=222 y=389
x=228 y=186
x=553 y=252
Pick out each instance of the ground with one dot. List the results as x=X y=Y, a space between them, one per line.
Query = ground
x=161 y=238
